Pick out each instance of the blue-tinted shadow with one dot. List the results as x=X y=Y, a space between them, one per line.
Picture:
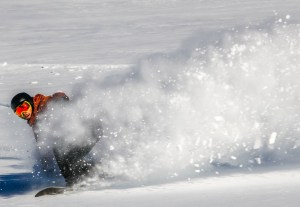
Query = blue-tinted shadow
x=15 y=184
x=22 y=183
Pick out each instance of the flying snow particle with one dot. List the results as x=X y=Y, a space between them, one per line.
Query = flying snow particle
x=258 y=160
x=257 y=144
x=197 y=165
x=219 y=118
x=233 y=157
x=179 y=147
x=272 y=138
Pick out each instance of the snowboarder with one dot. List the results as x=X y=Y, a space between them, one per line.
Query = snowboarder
x=71 y=162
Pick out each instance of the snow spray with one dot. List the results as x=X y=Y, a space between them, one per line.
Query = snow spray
x=227 y=99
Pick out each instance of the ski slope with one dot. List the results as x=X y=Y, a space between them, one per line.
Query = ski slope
x=199 y=99
x=258 y=189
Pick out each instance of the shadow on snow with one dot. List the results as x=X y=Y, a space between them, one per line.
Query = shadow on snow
x=22 y=183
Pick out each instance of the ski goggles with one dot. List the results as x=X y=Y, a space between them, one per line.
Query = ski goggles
x=24 y=107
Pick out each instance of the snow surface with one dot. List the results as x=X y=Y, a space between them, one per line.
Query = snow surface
x=199 y=99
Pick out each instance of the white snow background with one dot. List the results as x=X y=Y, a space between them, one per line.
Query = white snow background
x=199 y=100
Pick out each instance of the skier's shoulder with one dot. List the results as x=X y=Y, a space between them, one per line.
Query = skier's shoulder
x=38 y=97
x=39 y=100
x=56 y=96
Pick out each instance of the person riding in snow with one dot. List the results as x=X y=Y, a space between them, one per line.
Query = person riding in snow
x=71 y=162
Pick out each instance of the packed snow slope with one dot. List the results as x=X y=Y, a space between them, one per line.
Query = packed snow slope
x=199 y=100
x=119 y=31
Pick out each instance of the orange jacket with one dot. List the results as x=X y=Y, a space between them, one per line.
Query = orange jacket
x=40 y=103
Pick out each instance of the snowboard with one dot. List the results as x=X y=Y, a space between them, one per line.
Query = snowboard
x=52 y=191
